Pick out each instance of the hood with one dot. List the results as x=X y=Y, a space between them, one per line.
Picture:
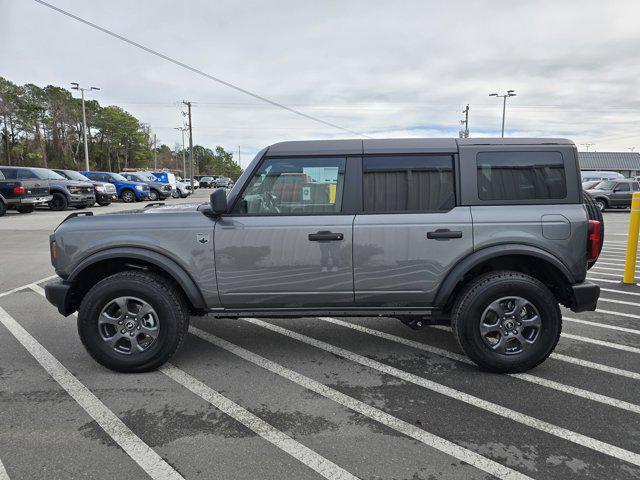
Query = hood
x=593 y=191
x=183 y=207
x=72 y=183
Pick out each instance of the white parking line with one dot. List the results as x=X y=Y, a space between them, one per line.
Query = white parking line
x=620 y=270
x=17 y=289
x=508 y=413
x=281 y=440
x=596 y=366
x=419 y=434
x=602 y=289
x=601 y=325
x=140 y=452
x=602 y=343
x=621 y=302
x=596 y=397
x=608 y=280
x=620 y=314
x=3 y=473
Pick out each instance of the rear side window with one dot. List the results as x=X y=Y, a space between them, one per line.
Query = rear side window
x=409 y=183
x=623 y=187
x=521 y=176
x=9 y=173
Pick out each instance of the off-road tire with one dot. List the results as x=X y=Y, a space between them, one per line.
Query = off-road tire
x=104 y=204
x=80 y=207
x=594 y=213
x=59 y=202
x=164 y=297
x=474 y=299
x=128 y=196
x=26 y=208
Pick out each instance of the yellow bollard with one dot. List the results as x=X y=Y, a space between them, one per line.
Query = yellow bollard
x=632 y=241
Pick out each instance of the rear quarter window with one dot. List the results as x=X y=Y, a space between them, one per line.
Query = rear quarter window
x=521 y=176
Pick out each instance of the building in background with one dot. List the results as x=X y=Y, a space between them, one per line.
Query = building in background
x=626 y=163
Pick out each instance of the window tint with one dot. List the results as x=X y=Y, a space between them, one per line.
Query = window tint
x=520 y=176
x=9 y=173
x=295 y=186
x=408 y=183
x=623 y=187
x=635 y=186
x=24 y=173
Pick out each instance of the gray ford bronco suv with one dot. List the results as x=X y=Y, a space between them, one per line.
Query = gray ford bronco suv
x=487 y=235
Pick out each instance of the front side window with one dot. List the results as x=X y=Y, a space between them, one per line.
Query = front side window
x=418 y=183
x=623 y=187
x=295 y=186
x=521 y=176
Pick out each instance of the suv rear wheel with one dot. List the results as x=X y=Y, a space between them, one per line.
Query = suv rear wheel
x=58 y=202
x=506 y=321
x=132 y=321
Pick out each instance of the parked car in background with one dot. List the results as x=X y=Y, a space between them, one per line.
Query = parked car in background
x=223 y=182
x=104 y=192
x=614 y=193
x=126 y=190
x=181 y=189
x=23 y=195
x=206 y=182
x=157 y=190
x=196 y=183
x=590 y=184
x=587 y=175
x=64 y=192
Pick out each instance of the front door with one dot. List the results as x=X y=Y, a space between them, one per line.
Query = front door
x=286 y=243
x=410 y=233
x=621 y=196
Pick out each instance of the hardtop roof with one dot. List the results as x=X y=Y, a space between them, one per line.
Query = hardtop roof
x=397 y=145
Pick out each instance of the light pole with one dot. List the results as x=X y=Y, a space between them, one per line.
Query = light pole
x=76 y=86
x=510 y=93
x=587 y=145
x=184 y=158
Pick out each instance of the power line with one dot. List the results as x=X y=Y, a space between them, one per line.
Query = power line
x=197 y=71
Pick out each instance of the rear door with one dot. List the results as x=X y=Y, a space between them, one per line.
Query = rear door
x=288 y=245
x=410 y=232
x=621 y=195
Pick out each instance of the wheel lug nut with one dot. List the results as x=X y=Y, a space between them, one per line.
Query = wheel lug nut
x=131 y=334
x=122 y=331
x=120 y=322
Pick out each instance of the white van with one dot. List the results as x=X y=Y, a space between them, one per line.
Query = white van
x=599 y=175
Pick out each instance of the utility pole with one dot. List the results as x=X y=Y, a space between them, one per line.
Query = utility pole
x=465 y=133
x=155 y=153
x=76 y=86
x=587 y=145
x=188 y=104
x=184 y=161
x=510 y=93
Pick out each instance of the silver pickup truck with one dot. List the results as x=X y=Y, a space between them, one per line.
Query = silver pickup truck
x=489 y=236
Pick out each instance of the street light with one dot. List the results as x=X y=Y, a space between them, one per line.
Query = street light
x=510 y=93
x=184 y=160
x=76 y=86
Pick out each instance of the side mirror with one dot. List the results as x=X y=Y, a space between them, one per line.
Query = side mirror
x=218 y=200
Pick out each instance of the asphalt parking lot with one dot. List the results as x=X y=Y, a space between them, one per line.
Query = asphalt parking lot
x=311 y=398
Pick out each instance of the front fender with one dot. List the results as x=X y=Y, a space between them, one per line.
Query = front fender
x=177 y=272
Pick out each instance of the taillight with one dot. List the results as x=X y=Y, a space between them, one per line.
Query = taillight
x=19 y=190
x=593 y=241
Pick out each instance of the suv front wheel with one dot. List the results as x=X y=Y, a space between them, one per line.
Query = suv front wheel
x=132 y=321
x=506 y=321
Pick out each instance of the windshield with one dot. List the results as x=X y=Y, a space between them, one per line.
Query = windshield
x=44 y=174
x=73 y=175
x=118 y=177
x=605 y=186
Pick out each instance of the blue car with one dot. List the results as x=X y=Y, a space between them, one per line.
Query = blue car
x=127 y=191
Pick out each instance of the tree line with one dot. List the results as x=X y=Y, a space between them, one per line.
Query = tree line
x=42 y=127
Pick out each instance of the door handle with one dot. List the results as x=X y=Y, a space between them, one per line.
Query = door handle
x=443 y=234
x=325 y=236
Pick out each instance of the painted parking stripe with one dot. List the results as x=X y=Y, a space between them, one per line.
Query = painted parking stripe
x=17 y=289
x=579 y=338
x=608 y=280
x=610 y=269
x=508 y=413
x=419 y=434
x=619 y=314
x=139 y=451
x=579 y=392
x=601 y=325
x=3 y=473
x=281 y=440
x=276 y=437
x=621 y=302
x=602 y=289
x=602 y=343
x=596 y=366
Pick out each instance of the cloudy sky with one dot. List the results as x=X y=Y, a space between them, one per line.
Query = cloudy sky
x=382 y=68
